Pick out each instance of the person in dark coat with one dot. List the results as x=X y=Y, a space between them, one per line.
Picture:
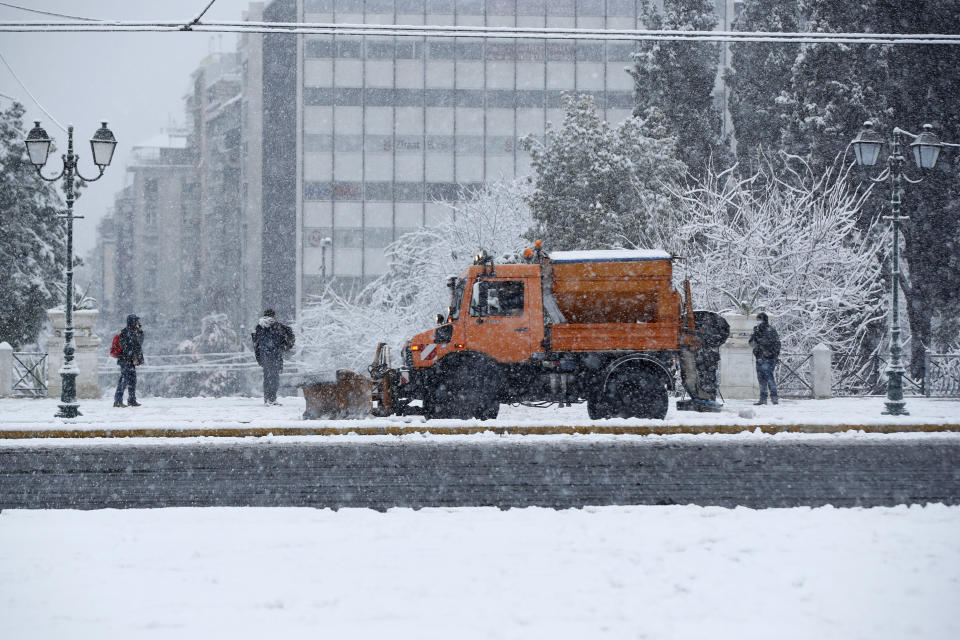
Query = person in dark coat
x=766 y=349
x=270 y=340
x=131 y=356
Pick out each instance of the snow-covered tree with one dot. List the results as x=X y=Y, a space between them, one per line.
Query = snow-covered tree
x=760 y=73
x=341 y=331
x=677 y=79
x=792 y=247
x=600 y=186
x=834 y=88
x=32 y=238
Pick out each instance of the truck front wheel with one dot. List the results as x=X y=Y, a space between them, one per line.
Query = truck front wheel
x=467 y=389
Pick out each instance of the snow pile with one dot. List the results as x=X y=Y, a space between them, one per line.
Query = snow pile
x=616 y=572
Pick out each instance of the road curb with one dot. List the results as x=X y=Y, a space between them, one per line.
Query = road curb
x=395 y=430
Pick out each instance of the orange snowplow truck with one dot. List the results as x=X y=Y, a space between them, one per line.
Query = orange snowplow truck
x=602 y=326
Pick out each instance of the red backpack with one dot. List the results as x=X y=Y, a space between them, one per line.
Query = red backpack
x=115 y=348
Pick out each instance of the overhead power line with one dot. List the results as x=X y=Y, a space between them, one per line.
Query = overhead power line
x=189 y=26
x=46 y=13
x=462 y=31
x=32 y=97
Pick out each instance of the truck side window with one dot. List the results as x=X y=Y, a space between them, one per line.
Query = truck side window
x=497 y=298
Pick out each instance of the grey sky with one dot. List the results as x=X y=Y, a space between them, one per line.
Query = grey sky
x=135 y=81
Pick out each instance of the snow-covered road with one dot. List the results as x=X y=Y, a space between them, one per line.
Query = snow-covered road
x=678 y=572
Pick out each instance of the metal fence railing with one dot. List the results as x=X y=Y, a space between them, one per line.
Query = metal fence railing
x=29 y=374
x=942 y=379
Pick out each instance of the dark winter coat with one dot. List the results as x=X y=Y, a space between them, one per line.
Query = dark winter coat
x=131 y=343
x=765 y=342
x=270 y=340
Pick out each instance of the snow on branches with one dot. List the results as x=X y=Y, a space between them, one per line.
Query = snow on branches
x=796 y=247
x=342 y=330
x=598 y=186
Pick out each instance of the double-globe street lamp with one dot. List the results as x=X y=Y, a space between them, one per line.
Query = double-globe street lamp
x=926 y=149
x=38 y=148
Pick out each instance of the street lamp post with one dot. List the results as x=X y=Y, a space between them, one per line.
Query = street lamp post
x=102 y=146
x=324 y=243
x=926 y=149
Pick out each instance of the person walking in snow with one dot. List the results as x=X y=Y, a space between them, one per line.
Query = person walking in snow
x=766 y=349
x=131 y=356
x=270 y=340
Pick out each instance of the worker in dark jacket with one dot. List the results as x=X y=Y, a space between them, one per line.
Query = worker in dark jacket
x=131 y=356
x=766 y=349
x=270 y=340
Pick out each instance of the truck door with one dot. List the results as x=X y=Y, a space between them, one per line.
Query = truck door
x=499 y=323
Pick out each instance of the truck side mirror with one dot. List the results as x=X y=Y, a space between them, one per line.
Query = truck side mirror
x=440 y=318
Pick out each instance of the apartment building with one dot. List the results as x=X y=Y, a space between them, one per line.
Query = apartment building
x=387 y=129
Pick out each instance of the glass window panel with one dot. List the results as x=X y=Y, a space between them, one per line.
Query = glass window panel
x=622 y=8
x=348 y=237
x=349 y=6
x=346 y=190
x=316 y=142
x=501 y=7
x=560 y=8
x=348 y=48
x=501 y=51
x=378 y=191
x=409 y=6
x=439 y=6
x=379 y=6
x=530 y=7
x=532 y=51
x=561 y=51
x=317 y=190
x=318 y=48
x=379 y=49
x=470 y=7
x=441 y=50
x=589 y=7
x=318 y=6
x=409 y=191
x=469 y=50
x=589 y=51
x=470 y=98
x=441 y=191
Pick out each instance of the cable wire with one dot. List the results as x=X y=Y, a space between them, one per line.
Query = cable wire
x=463 y=31
x=32 y=97
x=196 y=21
x=47 y=13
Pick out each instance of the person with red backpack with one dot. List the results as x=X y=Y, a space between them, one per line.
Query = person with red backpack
x=128 y=346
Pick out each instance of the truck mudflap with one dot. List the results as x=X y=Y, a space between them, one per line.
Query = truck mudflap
x=700 y=359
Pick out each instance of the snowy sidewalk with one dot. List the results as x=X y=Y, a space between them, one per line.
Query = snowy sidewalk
x=185 y=417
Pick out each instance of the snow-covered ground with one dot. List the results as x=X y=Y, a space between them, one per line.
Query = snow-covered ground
x=613 y=572
x=192 y=413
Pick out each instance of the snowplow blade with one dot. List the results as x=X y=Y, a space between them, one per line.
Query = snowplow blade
x=344 y=394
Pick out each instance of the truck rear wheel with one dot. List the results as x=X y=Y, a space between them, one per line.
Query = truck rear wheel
x=634 y=392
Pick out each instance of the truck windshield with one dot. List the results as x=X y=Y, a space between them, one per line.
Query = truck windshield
x=456 y=298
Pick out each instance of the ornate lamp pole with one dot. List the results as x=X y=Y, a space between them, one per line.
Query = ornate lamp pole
x=38 y=147
x=926 y=149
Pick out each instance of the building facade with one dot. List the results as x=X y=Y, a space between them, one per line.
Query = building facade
x=387 y=129
x=142 y=251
